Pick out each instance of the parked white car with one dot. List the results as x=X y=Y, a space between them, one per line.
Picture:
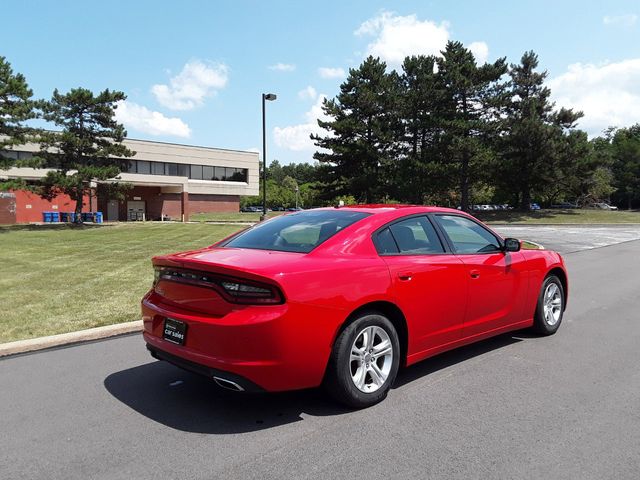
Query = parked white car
x=604 y=206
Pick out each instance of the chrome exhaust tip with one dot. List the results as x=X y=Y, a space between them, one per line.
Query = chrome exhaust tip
x=228 y=384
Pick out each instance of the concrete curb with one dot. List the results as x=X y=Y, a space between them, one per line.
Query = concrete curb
x=41 y=343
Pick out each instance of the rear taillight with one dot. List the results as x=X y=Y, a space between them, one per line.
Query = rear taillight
x=234 y=290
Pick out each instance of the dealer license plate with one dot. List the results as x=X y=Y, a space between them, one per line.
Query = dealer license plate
x=175 y=331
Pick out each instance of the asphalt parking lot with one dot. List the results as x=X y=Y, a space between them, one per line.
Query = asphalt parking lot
x=567 y=239
x=515 y=406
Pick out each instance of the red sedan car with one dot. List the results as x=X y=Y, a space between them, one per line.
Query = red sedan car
x=344 y=297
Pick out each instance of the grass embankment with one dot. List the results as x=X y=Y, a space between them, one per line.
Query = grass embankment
x=57 y=279
x=249 y=217
x=579 y=217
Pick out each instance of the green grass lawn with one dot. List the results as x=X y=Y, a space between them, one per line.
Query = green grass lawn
x=57 y=279
x=230 y=217
x=581 y=216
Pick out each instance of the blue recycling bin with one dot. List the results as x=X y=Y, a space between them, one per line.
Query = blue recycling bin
x=55 y=216
x=64 y=216
x=46 y=217
x=71 y=216
x=97 y=217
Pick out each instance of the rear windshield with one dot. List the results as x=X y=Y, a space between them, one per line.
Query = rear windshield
x=296 y=232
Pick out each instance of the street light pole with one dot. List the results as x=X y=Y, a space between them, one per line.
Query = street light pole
x=270 y=97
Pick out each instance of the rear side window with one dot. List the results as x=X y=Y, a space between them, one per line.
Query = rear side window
x=385 y=244
x=413 y=236
x=296 y=232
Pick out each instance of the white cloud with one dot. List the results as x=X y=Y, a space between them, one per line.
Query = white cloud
x=308 y=93
x=331 y=72
x=283 y=67
x=628 y=20
x=608 y=94
x=480 y=51
x=396 y=37
x=296 y=137
x=140 y=118
x=192 y=85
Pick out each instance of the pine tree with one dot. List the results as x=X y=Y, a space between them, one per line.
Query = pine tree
x=16 y=108
x=535 y=133
x=359 y=156
x=471 y=106
x=625 y=152
x=420 y=173
x=88 y=147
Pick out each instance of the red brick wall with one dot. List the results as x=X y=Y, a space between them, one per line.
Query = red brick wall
x=170 y=204
x=29 y=206
x=7 y=208
x=200 y=203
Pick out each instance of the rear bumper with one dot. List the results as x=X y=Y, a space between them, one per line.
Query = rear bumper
x=267 y=348
x=212 y=373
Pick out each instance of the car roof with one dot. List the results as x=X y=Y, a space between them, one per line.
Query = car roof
x=401 y=209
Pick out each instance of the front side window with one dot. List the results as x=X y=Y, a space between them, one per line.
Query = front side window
x=297 y=232
x=467 y=236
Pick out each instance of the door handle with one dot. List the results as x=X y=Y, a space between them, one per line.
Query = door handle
x=474 y=273
x=406 y=276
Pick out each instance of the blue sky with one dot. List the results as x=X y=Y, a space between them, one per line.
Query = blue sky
x=194 y=70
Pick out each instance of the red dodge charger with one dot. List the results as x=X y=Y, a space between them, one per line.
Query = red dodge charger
x=344 y=297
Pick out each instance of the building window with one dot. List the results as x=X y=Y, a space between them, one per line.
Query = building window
x=144 y=167
x=236 y=174
x=157 y=168
x=183 y=170
x=219 y=173
x=196 y=172
x=10 y=154
x=171 y=169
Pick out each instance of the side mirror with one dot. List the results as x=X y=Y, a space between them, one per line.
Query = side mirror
x=511 y=245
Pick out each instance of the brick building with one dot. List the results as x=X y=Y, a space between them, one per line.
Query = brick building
x=169 y=180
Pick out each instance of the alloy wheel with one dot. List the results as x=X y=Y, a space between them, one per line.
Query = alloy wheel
x=552 y=304
x=371 y=359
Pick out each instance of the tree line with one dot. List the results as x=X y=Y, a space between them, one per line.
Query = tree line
x=446 y=130
x=442 y=130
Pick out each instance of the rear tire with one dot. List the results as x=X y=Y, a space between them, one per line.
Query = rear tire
x=550 y=307
x=364 y=361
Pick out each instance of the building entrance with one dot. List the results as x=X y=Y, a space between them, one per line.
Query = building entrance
x=136 y=210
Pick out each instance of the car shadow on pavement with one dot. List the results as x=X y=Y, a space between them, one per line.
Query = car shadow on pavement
x=453 y=357
x=192 y=403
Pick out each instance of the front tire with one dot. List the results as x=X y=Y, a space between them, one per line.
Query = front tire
x=364 y=361
x=550 y=307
